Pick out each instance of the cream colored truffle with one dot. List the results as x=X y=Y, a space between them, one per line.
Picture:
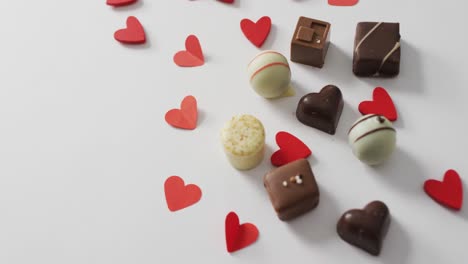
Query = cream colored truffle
x=269 y=74
x=372 y=138
x=243 y=139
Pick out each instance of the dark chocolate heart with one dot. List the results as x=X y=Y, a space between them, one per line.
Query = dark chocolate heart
x=366 y=228
x=321 y=110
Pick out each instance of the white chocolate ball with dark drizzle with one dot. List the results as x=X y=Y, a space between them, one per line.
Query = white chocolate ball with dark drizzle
x=372 y=138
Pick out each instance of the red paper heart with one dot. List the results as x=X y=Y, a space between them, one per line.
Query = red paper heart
x=118 y=3
x=342 y=2
x=133 y=34
x=179 y=195
x=382 y=104
x=449 y=192
x=256 y=32
x=291 y=149
x=239 y=236
x=185 y=117
x=227 y=1
x=192 y=56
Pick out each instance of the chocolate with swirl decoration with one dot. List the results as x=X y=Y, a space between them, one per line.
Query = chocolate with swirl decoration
x=377 y=49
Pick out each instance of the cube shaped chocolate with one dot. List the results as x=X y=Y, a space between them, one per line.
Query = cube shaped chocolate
x=310 y=42
x=292 y=189
x=377 y=49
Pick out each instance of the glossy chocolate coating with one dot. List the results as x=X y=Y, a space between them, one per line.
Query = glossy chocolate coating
x=365 y=228
x=370 y=58
x=310 y=42
x=321 y=110
x=294 y=198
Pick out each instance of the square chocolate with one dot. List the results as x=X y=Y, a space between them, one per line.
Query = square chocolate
x=310 y=42
x=292 y=189
x=377 y=49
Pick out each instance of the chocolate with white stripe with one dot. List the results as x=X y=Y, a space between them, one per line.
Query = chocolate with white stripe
x=377 y=49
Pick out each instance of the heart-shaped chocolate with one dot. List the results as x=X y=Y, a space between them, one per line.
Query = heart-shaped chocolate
x=321 y=110
x=365 y=228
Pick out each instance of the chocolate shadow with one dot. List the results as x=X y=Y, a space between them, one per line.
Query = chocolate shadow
x=401 y=172
x=410 y=78
x=338 y=68
x=400 y=122
x=349 y=115
x=287 y=105
x=320 y=223
x=255 y=175
x=299 y=91
x=397 y=244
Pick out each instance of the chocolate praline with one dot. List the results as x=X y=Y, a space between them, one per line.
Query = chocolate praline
x=292 y=189
x=321 y=110
x=365 y=228
x=377 y=49
x=310 y=42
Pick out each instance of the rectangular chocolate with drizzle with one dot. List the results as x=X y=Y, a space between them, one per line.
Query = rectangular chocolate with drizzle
x=377 y=49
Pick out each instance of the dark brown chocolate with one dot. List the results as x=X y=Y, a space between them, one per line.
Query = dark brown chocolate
x=321 y=110
x=366 y=228
x=292 y=189
x=377 y=49
x=310 y=42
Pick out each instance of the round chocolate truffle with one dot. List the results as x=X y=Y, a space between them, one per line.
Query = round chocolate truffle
x=372 y=138
x=269 y=74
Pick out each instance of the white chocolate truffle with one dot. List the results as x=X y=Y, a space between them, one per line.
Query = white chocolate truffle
x=372 y=138
x=269 y=74
x=243 y=139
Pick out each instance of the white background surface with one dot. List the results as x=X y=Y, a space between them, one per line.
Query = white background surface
x=84 y=149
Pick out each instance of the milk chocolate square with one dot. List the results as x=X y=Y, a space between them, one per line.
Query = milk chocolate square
x=310 y=42
x=292 y=189
x=377 y=49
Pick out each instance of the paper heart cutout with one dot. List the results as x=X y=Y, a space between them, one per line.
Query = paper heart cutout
x=256 y=32
x=133 y=34
x=382 y=104
x=185 y=117
x=239 y=236
x=192 y=56
x=448 y=192
x=118 y=3
x=343 y=2
x=179 y=195
x=291 y=149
